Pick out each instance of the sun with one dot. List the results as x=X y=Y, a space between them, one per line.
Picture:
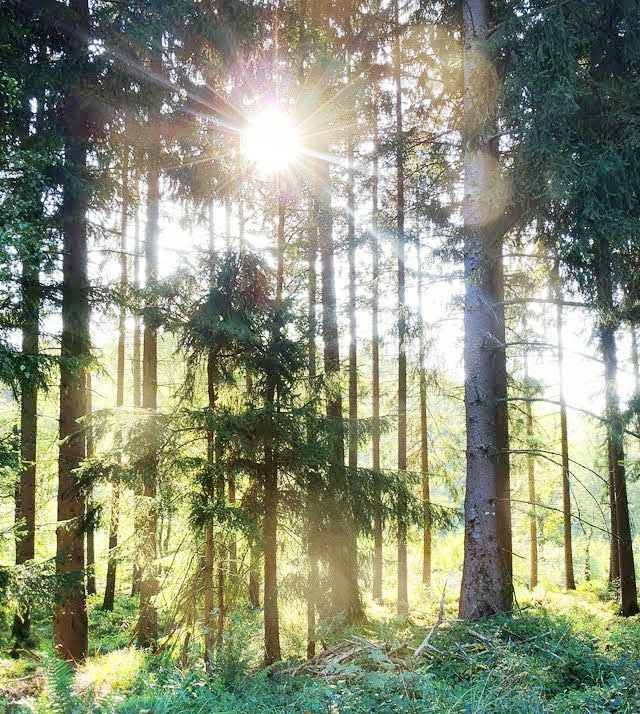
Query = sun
x=271 y=141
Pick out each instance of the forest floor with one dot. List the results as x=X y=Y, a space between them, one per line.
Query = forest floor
x=560 y=652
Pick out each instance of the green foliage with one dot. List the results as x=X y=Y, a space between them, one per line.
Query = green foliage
x=58 y=691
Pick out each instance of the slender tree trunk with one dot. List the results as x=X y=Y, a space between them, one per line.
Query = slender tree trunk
x=531 y=481
x=403 y=597
x=70 y=621
x=615 y=426
x=614 y=552
x=345 y=596
x=313 y=583
x=254 y=550
x=148 y=619
x=486 y=579
x=110 y=586
x=569 y=580
x=424 y=443
x=137 y=378
x=353 y=333
x=90 y=506
x=375 y=362
x=25 y=515
x=209 y=543
x=270 y=518
x=341 y=538
x=636 y=370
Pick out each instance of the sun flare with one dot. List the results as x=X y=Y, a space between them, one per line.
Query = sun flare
x=271 y=140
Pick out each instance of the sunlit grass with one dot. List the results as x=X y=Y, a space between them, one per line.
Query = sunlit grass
x=104 y=675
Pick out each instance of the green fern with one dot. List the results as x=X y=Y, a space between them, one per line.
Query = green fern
x=58 y=686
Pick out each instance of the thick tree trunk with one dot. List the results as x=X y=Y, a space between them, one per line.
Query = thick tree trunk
x=615 y=426
x=486 y=579
x=424 y=443
x=375 y=364
x=25 y=515
x=110 y=586
x=569 y=580
x=148 y=619
x=614 y=552
x=403 y=596
x=70 y=620
x=90 y=505
x=137 y=378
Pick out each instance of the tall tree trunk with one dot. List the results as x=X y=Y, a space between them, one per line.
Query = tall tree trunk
x=313 y=582
x=636 y=370
x=351 y=243
x=110 y=586
x=375 y=361
x=486 y=579
x=424 y=443
x=209 y=545
x=25 y=516
x=70 y=621
x=270 y=492
x=137 y=381
x=531 y=482
x=569 y=580
x=341 y=538
x=148 y=619
x=403 y=597
x=615 y=426
x=345 y=596
x=614 y=551
x=90 y=506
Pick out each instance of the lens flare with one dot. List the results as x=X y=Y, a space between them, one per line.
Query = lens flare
x=271 y=141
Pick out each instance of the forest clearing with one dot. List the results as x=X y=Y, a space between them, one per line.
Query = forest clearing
x=319 y=364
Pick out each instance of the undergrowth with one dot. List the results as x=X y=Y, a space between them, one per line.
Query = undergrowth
x=559 y=653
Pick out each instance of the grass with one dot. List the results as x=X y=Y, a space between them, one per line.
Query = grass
x=559 y=653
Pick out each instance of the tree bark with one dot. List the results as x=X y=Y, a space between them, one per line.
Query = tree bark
x=313 y=582
x=375 y=362
x=424 y=443
x=569 y=581
x=614 y=553
x=403 y=596
x=70 y=620
x=25 y=515
x=148 y=619
x=636 y=370
x=110 y=586
x=486 y=579
x=270 y=492
x=345 y=596
x=137 y=381
x=531 y=482
x=209 y=540
x=615 y=426
x=90 y=506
